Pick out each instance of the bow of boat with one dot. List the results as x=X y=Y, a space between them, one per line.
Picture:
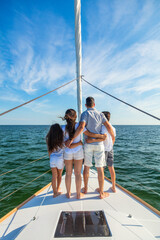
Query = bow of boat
x=126 y=216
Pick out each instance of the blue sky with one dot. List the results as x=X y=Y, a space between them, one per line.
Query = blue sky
x=120 y=54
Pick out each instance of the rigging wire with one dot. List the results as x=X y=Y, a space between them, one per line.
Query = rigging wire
x=23 y=186
x=23 y=165
x=121 y=100
x=1 y=114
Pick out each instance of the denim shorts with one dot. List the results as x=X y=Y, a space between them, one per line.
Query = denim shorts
x=109 y=157
x=96 y=151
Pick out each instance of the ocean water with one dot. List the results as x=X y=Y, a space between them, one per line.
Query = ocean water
x=137 y=162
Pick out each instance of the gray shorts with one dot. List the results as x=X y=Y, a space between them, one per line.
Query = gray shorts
x=109 y=157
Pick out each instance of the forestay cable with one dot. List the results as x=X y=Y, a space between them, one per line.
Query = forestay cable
x=121 y=100
x=36 y=98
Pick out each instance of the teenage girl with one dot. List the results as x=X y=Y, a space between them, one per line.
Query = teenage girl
x=55 y=146
x=72 y=156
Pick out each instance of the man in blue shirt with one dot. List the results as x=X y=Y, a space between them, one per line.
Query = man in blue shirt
x=92 y=120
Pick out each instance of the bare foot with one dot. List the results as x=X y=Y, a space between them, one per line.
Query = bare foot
x=84 y=190
x=97 y=190
x=113 y=189
x=68 y=195
x=56 y=194
x=80 y=195
x=104 y=195
x=60 y=193
x=59 y=189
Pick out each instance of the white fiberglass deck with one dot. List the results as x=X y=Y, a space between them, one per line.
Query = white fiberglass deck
x=144 y=224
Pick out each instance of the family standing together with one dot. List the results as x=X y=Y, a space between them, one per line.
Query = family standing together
x=65 y=147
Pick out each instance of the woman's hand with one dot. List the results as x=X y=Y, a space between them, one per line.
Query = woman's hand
x=68 y=143
x=73 y=145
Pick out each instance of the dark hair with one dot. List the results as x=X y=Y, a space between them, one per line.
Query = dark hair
x=90 y=101
x=70 y=117
x=54 y=138
x=107 y=115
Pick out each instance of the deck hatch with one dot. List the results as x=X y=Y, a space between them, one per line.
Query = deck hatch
x=82 y=224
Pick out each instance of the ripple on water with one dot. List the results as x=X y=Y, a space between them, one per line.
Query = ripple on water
x=137 y=161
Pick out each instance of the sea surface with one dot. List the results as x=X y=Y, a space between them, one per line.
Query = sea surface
x=137 y=162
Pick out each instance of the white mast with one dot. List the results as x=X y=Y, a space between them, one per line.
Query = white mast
x=77 y=11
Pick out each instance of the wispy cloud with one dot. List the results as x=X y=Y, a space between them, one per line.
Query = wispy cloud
x=39 y=61
x=144 y=15
x=109 y=64
x=10 y=97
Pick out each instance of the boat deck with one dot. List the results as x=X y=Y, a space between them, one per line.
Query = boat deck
x=127 y=217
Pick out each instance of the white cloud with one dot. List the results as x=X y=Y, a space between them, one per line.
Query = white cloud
x=143 y=15
x=123 y=10
x=153 y=33
x=43 y=107
x=140 y=61
x=10 y=97
x=39 y=56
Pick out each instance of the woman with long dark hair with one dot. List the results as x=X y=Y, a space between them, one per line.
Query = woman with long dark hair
x=55 y=144
x=72 y=156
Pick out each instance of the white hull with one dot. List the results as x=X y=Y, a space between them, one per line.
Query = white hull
x=144 y=223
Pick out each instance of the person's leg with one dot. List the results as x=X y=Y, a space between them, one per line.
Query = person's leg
x=78 y=178
x=110 y=160
x=59 y=179
x=54 y=181
x=85 y=179
x=99 y=163
x=113 y=178
x=69 y=165
x=88 y=155
x=101 y=182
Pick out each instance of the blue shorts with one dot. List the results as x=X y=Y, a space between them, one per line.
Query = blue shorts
x=109 y=158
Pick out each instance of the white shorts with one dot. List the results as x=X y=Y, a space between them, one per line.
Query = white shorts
x=79 y=155
x=57 y=163
x=96 y=151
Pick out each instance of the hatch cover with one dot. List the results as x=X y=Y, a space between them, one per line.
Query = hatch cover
x=82 y=224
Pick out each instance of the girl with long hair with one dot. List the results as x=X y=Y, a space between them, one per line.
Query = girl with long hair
x=72 y=156
x=55 y=146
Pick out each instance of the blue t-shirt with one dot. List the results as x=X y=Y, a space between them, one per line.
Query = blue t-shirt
x=94 y=121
